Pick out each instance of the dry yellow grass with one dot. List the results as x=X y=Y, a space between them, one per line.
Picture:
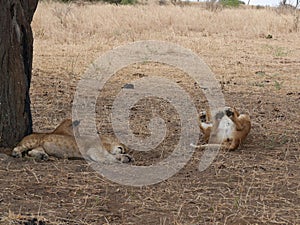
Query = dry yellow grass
x=71 y=23
x=77 y=34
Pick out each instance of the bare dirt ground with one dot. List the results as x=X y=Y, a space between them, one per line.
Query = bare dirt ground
x=257 y=184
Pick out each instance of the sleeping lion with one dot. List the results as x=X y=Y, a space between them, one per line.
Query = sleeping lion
x=61 y=143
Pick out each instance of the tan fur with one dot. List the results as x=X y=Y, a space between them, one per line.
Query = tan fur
x=61 y=143
x=235 y=126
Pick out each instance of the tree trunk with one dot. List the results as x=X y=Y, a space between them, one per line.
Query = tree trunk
x=16 y=43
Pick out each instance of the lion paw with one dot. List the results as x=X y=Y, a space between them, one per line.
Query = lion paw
x=229 y=112
x=16 y=153
x=38 y=155
x=202 y=116
x=124 y=158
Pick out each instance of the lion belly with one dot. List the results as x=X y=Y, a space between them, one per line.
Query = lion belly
x=226 y=130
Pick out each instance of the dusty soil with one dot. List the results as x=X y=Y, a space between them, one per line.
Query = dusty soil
x=257 y=184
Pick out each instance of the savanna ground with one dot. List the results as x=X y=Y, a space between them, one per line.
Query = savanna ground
x=257 y=184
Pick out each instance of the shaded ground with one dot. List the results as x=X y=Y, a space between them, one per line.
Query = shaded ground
x=257 y=184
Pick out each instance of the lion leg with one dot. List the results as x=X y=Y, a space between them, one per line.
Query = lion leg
x=238 y=123
x=234 y=144
x=29 y=142
x=236 y=118
x=96 y=155
x=206 y=130
x=242 y=122
x=102 y=156
x=17 y=151
x=38 y=153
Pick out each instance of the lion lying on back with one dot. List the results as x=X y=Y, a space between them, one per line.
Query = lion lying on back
x=228 y=130
x=61 y=143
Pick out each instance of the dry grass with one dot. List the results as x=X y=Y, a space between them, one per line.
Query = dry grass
x=70 y=23
x=258 y=184
x=68 y=37
x=86 y=31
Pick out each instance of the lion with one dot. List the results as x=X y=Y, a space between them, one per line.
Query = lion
x=228 y=130
x=61 y=143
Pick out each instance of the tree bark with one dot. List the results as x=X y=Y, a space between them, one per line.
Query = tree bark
x=16 y=46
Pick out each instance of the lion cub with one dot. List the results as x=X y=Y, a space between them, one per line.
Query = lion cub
x=61 y=143
x=228 y=129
